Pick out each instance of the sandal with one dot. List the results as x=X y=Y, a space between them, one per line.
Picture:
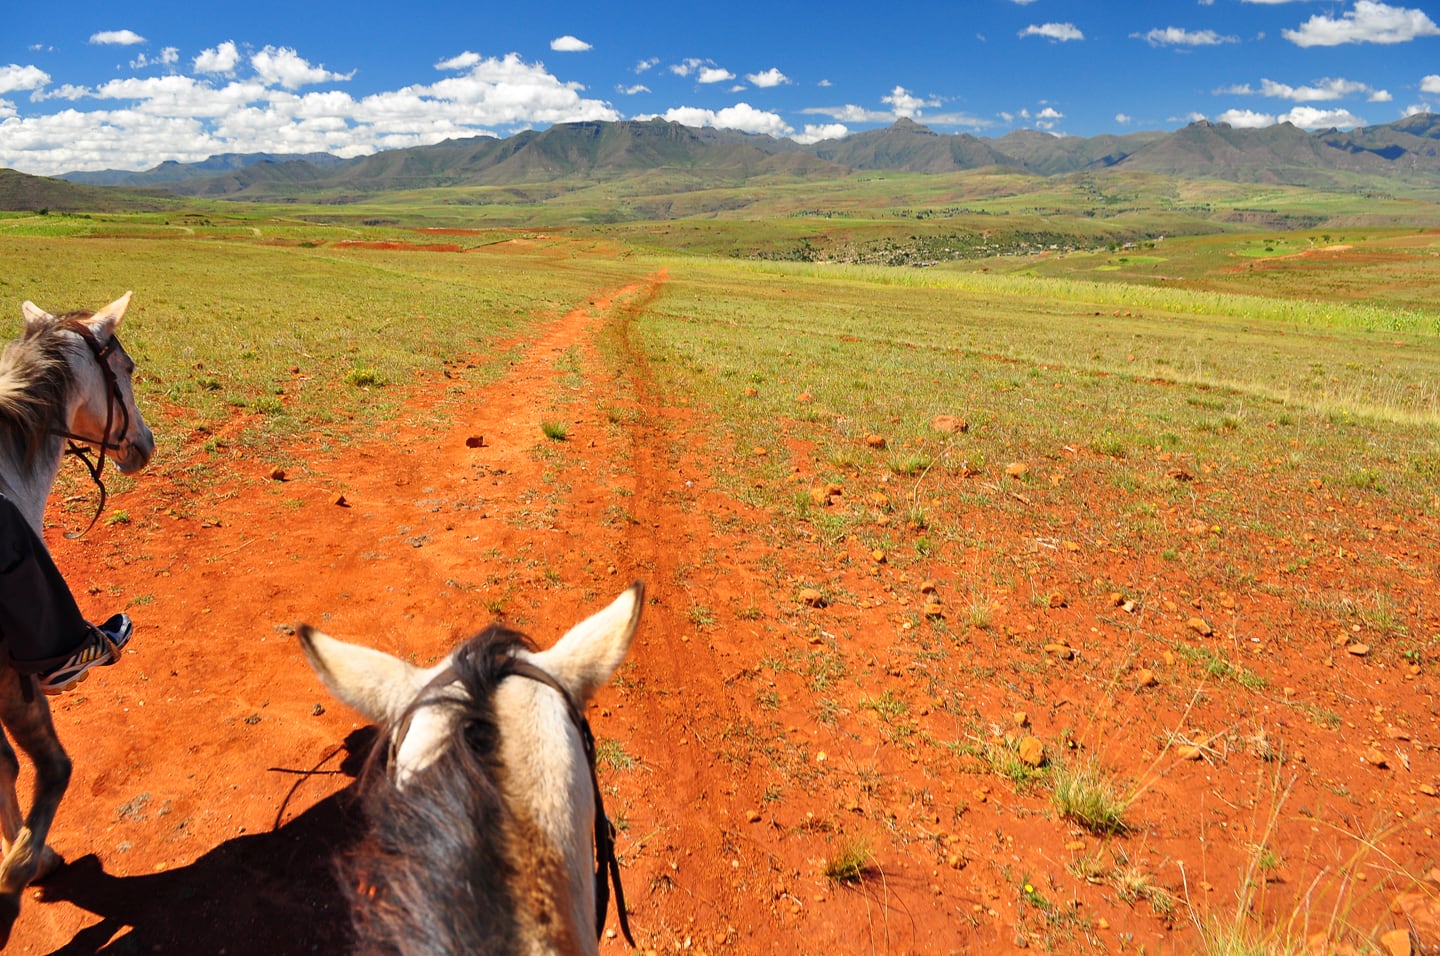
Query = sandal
x=101 y=649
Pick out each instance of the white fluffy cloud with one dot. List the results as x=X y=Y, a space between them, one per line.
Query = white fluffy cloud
x=569 y=44
x=116 y=38
x=1309 y=117
x=15 y=77
x=188 y=119
x=1430 y=84
x=741 y=116
x=1329 y=88
x=220 y=60
x=769 y=78
x=168 y=57
x=906 y=104
x=816 y=133
x=1175 y=36
x=1369 y=22
x=284 y=67
x=850 y=113
x=1306 y=117
x=1246 y=119
x=1053 y=31
x=714 y=74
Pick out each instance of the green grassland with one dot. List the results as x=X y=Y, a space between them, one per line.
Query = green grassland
x=1225 y=345
x=1039 y=366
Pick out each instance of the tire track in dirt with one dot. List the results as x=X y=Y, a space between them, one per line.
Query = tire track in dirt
x=206 y=736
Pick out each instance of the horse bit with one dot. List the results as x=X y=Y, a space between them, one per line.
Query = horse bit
x=607 y=866
x=112 y=397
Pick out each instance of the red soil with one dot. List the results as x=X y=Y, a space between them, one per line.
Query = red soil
x=213 y=772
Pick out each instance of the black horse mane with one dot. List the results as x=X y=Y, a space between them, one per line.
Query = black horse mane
x=36 y=385
x=434 y=873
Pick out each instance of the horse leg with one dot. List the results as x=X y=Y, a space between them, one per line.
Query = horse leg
x=27 y=858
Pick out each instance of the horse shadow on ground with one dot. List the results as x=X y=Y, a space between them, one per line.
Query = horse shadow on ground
x=263 y=894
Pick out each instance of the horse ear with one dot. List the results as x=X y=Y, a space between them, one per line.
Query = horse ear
x=34 y=315
x=588 y=654
x=107 y=320
x=378 y=685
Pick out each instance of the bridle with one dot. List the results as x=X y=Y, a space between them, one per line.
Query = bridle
x=112 y=399
x=607 y=867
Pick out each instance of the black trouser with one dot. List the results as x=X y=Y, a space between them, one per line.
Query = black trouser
x=40 y=623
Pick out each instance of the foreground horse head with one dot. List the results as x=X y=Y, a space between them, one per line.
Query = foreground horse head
x=65 y=377
x=481 y=820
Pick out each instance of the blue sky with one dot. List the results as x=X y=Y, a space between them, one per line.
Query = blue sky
x=87 y=85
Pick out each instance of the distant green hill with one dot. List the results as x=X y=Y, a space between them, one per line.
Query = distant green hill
x=914 y=148
x=663 y=157
x=1275 y=154
x=171 y=171
x=25 y=193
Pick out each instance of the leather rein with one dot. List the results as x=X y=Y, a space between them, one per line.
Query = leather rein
x=112 y=399
x=607 y=867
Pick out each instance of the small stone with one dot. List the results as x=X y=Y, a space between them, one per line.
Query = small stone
x=1189 y=752
x=810 y=597
x=277 y=474
x=805 y=396
x=1429 y=790
x=751 y=391
x=1145 y=677
x=759 y=452
x=878 y=555
x=1063 y=651
x=1017 y=469
x=1396 y=942
x=475 y=441
x=1357 y=650
x=875 y=441
x=1200 y=626
x=879 y=501
x=1032 y=751
x=1020 y=719
x=949 y=424
x=340 y=502
x=753 y=816
x=934 y=610
x=927 y=587
x=1376 y=759
x=1057 y=599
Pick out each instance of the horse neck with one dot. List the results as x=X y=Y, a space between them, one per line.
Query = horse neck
x=546 y=774
x=28 y=484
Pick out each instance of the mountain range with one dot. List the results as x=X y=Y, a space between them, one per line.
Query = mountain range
x=1406 y=151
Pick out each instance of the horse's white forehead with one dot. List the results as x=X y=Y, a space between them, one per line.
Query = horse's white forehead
x=532 y=720
x=431 y=729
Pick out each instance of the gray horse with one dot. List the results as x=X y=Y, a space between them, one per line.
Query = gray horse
x=66 y=377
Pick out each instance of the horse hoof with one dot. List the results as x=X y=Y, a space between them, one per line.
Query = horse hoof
x=50 y=861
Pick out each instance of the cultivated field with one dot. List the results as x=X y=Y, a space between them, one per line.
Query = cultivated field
x=1079 y=602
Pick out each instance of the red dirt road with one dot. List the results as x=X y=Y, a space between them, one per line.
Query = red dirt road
x=212 y=770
